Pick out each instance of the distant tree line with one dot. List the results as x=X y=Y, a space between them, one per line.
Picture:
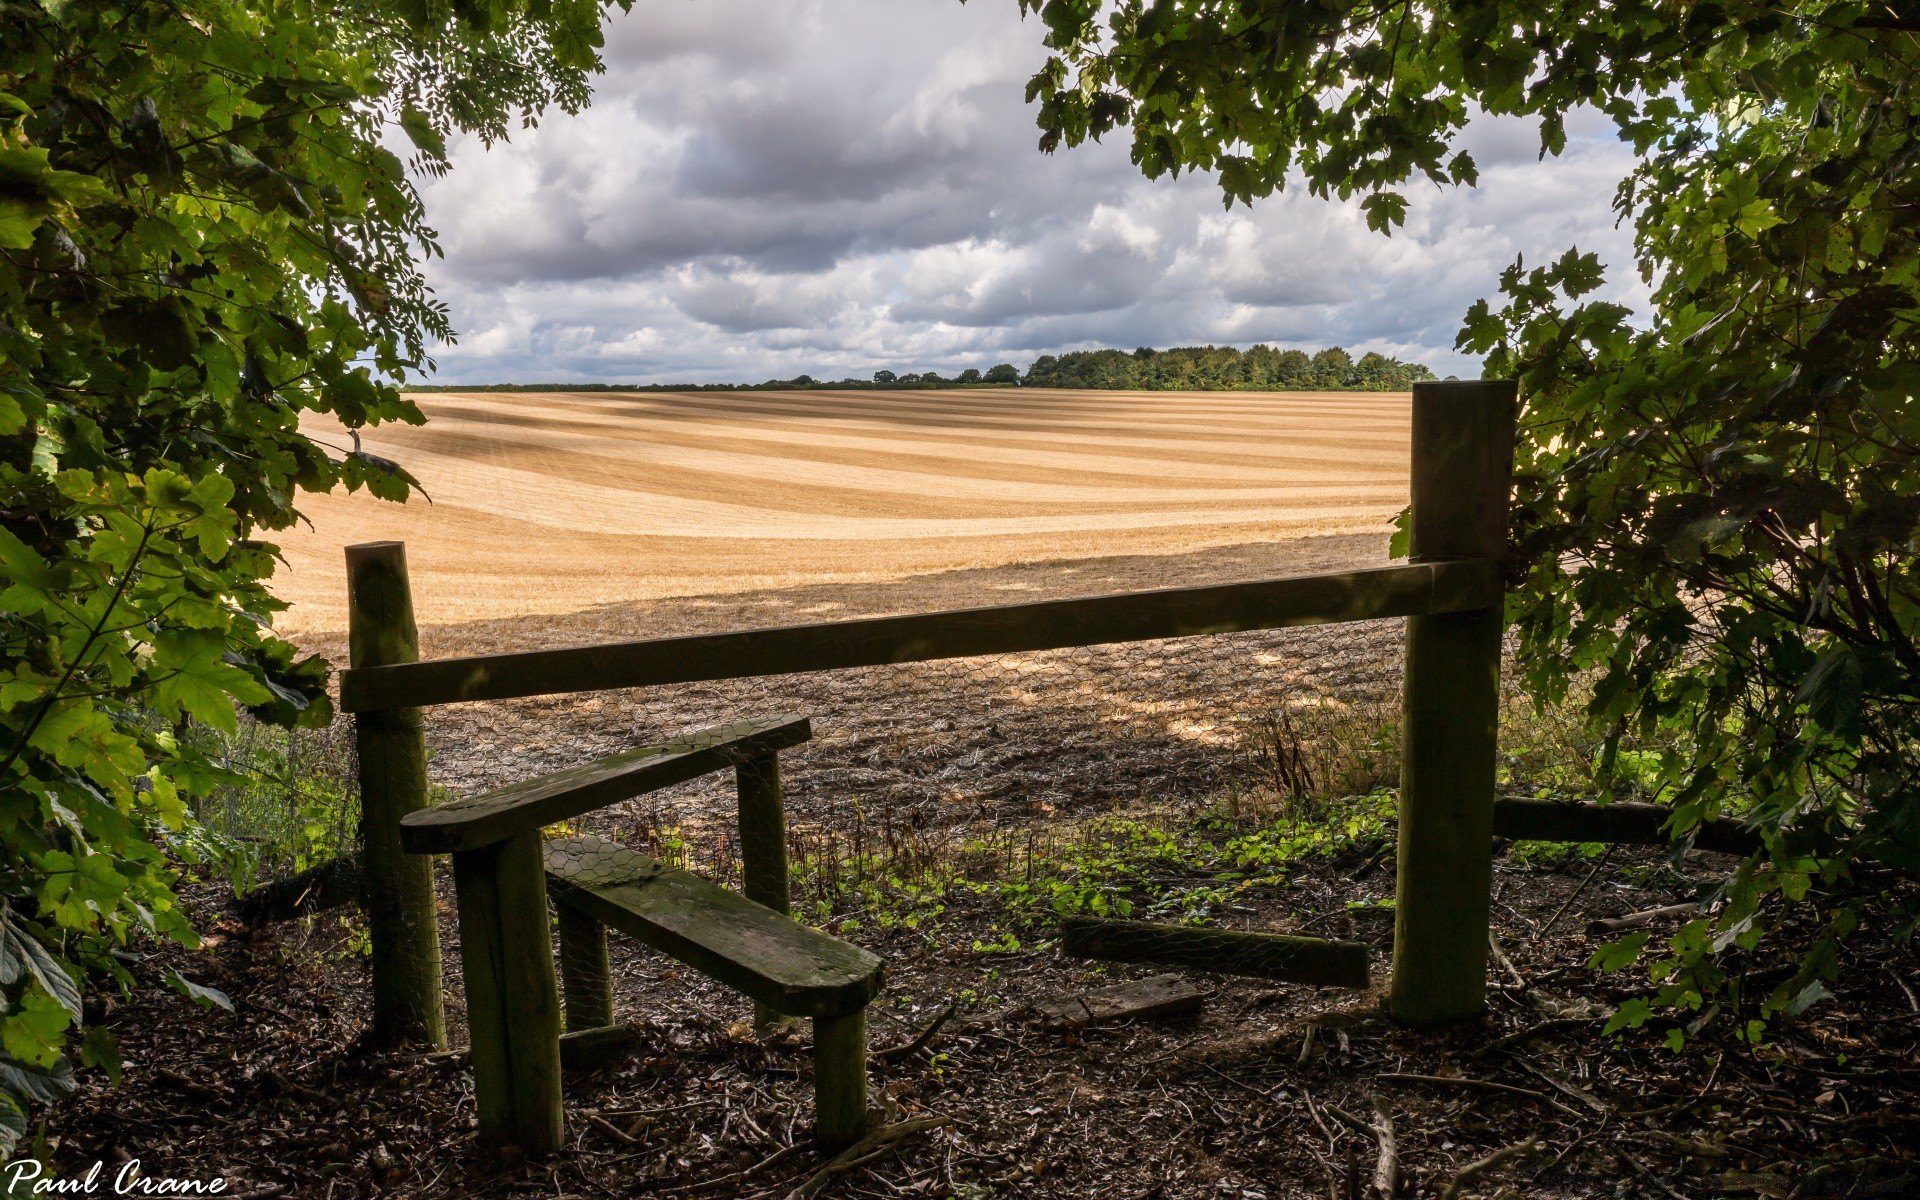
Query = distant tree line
x=1183 y=369
x=1223 y=368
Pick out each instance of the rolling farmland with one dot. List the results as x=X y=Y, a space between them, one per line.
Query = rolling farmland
x=546 y=504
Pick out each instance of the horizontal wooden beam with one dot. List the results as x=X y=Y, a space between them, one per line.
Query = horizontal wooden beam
x=476 y=821
x=1398 y=591
x=1617 y=824
x=1232 y=952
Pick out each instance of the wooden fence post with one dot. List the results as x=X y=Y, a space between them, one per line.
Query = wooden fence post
x=763 y=846
x=1461 y=490
x=398 y=887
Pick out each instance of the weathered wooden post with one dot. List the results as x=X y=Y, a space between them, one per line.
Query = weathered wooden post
x=840 y=1079
x=513 y=1003
x=397 y=887
x=1461 y=489
x=763 y=846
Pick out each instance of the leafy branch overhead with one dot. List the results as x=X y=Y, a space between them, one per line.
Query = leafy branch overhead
x=1719 y=498
x=205 y=241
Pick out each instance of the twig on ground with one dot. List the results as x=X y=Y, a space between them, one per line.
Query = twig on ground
x=1578 y=1093
x=1499 y=956
x=1575 y=895
x=1650 y=1177
x=862 y=1152
x=1482 y=1084
x=1551 y=1025
x=920 y=1040
x=737 y=1176
x=1498 y=1158
x=611 y=1130
x=1363 y=1128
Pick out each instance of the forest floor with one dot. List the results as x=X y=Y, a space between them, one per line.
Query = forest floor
x=939 y=818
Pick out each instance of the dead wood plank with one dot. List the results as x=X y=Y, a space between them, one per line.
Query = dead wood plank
x=1158 y=996
x=590 y=1049
x=523 y=807
x=1397 y=591
x=329 y=885
x=752 y=949
x=1268 y=955
x=1623 y=824
x=1636 y=920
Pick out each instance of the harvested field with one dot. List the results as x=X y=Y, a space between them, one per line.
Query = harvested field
x=551 y=503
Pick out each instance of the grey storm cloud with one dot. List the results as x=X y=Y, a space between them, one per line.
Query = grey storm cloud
x=765 y=187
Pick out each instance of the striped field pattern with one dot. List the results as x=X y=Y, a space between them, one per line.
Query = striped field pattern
x=553 y=502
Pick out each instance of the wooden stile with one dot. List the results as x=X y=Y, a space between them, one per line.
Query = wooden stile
x=1462 y=477
x=402 y=922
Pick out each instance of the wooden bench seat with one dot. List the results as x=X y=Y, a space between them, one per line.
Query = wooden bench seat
x=796 y=971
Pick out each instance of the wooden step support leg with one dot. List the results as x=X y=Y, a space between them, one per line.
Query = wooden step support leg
x=763 y=847
x=513 y=1005
x=584 y=970
x=840 y=1080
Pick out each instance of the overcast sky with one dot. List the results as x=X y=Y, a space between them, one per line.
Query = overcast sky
x=769 y=187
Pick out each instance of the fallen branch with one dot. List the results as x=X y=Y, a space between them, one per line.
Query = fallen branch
x=1386 y=1170
x=332 y=884
x=862 y=1151
x=1635 y=920
x=920 y=1040
x=1498 y=1158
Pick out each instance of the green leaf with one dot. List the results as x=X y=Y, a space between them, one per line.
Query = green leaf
x=205 y=997
x=1616 y=956
x=1834 y=691
x=98 y=1048
x=421 y=131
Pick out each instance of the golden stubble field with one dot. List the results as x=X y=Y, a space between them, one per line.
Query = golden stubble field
x=551 y=503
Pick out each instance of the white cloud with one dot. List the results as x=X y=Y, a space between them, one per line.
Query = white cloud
x=765 y=187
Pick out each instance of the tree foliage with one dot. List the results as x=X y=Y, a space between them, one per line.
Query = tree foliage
x=204 y=236
x=1718 y=499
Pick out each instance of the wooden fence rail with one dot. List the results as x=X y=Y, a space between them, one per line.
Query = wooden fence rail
x=1364 y=595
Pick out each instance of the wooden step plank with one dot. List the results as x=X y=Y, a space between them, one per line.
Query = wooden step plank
x=754 y=950
x=481 y=820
